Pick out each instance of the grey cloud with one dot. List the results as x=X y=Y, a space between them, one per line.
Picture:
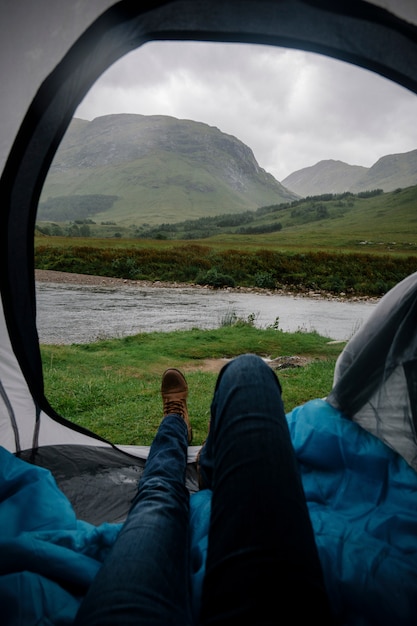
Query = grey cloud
x=292 y=108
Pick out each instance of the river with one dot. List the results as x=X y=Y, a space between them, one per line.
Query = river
x=80 y=314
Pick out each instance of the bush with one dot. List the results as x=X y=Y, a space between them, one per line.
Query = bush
x=264 y=280
x=126 y=267
x=215 y=279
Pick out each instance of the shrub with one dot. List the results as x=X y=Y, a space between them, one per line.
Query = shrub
x=215 y=279
x=230 y=318
x=264 y=280
x=126 y=267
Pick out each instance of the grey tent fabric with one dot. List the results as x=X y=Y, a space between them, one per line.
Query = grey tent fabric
x=375 y=381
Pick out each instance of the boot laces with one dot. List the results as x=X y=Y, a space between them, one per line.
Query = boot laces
x=174 y=406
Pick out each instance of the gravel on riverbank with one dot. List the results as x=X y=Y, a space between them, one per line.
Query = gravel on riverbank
x=53 y=276
x=67 y=278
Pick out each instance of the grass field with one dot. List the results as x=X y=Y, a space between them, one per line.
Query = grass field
x=112 y=387
x=382 y=223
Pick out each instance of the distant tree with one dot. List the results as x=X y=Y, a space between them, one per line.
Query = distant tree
x=85 y=230
x=56 y=230
x=322 y=212
x=73 y=231
x=371 y=193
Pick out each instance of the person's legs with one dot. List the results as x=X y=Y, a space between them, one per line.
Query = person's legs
x=262 y=563
x=146 y=578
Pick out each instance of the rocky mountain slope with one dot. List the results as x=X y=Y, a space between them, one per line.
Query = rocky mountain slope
x=136 y=169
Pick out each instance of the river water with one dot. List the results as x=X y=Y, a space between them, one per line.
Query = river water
x=80 y=314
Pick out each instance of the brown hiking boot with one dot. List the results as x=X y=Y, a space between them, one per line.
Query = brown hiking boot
x=174 y=390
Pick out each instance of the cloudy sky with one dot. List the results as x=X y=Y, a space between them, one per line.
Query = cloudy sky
x=292 y=108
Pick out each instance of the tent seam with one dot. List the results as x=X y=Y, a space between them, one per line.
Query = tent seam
x=12 y=416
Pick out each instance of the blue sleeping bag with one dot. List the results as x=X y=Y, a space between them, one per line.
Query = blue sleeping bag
x=361 y=495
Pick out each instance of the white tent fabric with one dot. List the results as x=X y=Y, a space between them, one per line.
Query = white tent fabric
x=52 y=51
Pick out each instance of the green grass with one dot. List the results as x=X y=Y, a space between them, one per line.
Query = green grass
x=387 y=222
x=112 y=387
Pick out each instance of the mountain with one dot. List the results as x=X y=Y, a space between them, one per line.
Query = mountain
x=324 y=177
x=388 y=173
x=149 y=169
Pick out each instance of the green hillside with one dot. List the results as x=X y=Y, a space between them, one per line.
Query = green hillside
x=367 y=221
x=152 y=169
x=382 y=221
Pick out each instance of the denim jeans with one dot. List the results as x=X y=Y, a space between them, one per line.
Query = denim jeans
x=262 y=562
x=146 y=577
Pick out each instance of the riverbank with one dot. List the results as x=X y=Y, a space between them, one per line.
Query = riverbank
x=53 y=276
x=113 y=387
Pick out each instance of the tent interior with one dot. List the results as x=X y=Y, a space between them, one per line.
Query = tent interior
x=51 y=54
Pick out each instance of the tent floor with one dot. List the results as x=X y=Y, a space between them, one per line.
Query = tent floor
x=99 y=482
